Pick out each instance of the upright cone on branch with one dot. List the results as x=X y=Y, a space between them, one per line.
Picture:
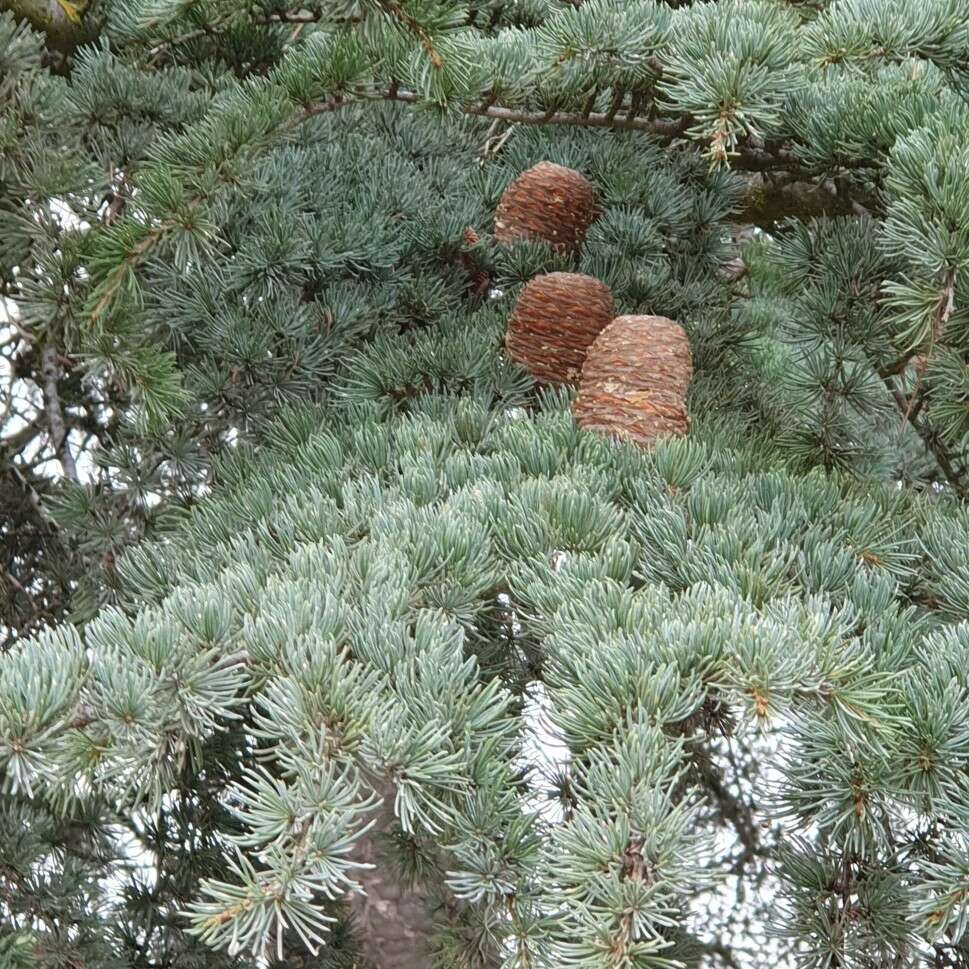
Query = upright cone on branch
x=548 y=202
x=635 y=379
x=556 y=319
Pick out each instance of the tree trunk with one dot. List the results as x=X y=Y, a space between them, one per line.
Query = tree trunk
x=391 y=921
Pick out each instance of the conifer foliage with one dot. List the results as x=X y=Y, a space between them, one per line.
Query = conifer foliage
x=337 y=633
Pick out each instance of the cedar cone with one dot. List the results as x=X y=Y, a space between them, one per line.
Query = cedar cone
x=554 y=322
x=547 y=202
x=635 y=379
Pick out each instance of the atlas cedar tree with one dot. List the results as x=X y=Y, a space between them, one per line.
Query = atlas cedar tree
x=318 y=554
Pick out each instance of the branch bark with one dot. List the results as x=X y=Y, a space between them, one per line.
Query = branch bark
x=50 y=370
x=747 y=159
x=668 y=128
x=392 y=921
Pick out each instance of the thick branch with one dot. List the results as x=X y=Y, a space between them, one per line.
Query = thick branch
x=55 y=415
x=748 y=158
x=667 y=128
x=657 y=126
x=38 y=13
x=770 y=200
x=733 y=810
x=392 y=919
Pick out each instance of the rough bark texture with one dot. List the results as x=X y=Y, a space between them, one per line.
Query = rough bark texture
x=635 y=380
x=548 y=202
x=55 y=414
x=554 y=322
x=767 y=203
x=391 y=921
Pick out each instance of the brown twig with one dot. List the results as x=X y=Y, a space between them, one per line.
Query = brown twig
x=494 y=142
x=116 y=278
x=944 y=309
x=396 y=11
x=755 y=158
x=19 y=586
x=667 y=128
x=16 y=441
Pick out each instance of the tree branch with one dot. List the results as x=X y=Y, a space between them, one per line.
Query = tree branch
x=15 y=442
x=38 y=13
x=55 y=416
x=117 y=276
x=722 y=951
x=748 y=158
x=930 y=439
x=668 y=128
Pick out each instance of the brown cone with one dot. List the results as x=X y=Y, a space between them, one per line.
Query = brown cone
x=548 y=202
x=554 y=322
x=635 y=379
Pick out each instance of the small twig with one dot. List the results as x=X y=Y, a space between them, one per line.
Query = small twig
x=164 y=45
x=495 y=142
x=489 y=134
x=114 y=203
x=721 y=951
x=31 y=491
x=733 y=810
x=946 y=306
x=118 y=275
x=308 y=17
x=618 y=96
x=944 y=309
x=16 y=441
x=10 y=320
x=19 y=586
x=896 y=367
x=396 y=11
